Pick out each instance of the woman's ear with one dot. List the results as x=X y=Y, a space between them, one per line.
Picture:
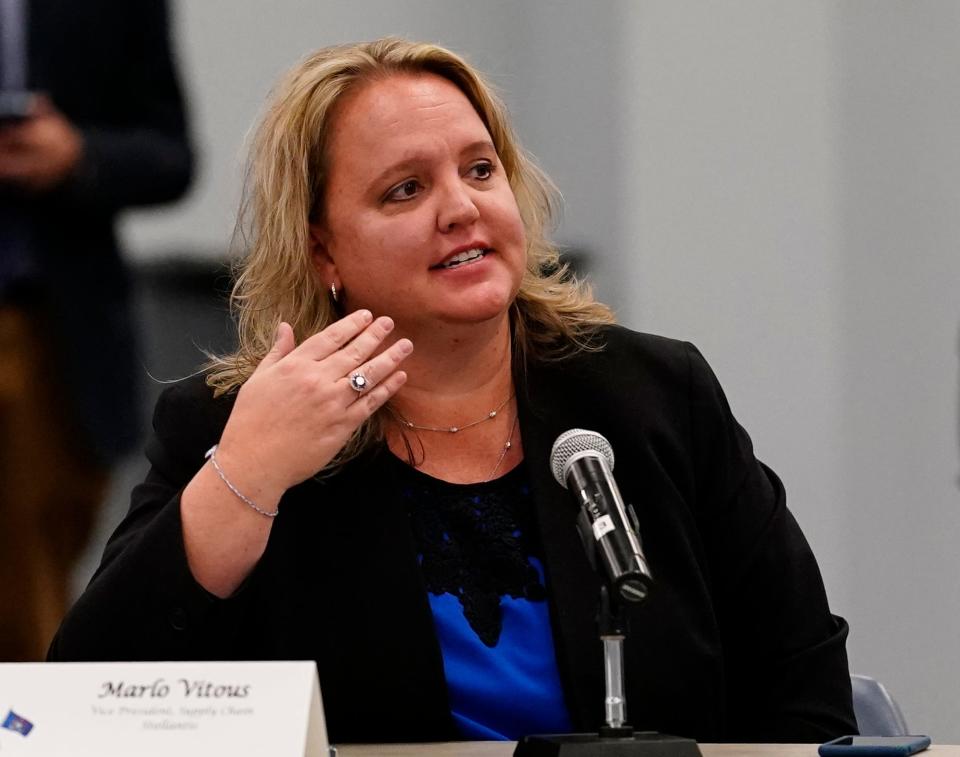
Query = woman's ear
x=322 y=262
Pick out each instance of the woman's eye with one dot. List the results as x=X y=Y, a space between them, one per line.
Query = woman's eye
x=405 y=191
x=483 y=170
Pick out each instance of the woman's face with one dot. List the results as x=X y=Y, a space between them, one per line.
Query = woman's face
x=420 y=221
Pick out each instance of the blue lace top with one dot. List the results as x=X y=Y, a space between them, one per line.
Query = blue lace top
x=481 y=565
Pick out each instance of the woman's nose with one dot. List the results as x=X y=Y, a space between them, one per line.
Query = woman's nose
x=456 y=207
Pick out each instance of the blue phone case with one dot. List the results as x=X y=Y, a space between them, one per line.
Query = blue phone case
x=876 y=746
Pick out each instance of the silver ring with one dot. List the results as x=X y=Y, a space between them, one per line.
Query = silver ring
x=358 y=382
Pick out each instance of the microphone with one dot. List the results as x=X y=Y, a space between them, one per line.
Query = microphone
x=582 y=463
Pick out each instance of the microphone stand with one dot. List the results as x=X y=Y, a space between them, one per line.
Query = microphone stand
x=616 y=738
x=614 y=626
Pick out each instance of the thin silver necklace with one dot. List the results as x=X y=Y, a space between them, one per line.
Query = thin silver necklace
x=454 y=429
x=506 y=448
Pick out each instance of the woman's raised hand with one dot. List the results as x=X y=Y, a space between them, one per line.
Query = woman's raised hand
x=298 y=408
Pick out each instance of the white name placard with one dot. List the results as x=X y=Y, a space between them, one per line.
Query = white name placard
x=185 y=709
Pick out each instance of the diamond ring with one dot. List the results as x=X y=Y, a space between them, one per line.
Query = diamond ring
x=358 y=382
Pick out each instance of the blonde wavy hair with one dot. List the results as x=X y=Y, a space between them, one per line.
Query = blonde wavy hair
x=554 y=315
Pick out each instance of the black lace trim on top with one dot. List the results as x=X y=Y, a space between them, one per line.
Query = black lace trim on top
x=474 y=541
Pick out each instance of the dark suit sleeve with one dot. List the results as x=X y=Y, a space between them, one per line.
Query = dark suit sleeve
x=138 y=151
x=143 y=603
x=785 y=656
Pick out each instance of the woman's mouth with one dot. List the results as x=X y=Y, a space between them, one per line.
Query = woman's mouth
x=464 y=258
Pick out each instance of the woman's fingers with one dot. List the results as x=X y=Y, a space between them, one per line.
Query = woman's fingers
x=283 y=345
x=351 y=356
x=371 y=401
x=377 y=369
x=342 y=347
x=335 y=336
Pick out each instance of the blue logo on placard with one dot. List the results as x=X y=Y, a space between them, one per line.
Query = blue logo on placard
x=17 y=724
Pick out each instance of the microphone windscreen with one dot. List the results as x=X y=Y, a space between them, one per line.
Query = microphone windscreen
x=572 y=445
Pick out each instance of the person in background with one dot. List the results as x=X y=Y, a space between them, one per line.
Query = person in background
x=365 y=481
x=91 y=122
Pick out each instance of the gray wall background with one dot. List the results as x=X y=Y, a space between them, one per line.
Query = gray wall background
x=775 y=181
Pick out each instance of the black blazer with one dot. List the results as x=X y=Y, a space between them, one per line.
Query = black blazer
x=107 y=65
x=734 y=643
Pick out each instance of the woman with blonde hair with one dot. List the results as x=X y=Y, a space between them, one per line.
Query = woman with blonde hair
x=365 y=481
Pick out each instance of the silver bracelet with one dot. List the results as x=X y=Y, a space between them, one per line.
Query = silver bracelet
x=212 y=457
